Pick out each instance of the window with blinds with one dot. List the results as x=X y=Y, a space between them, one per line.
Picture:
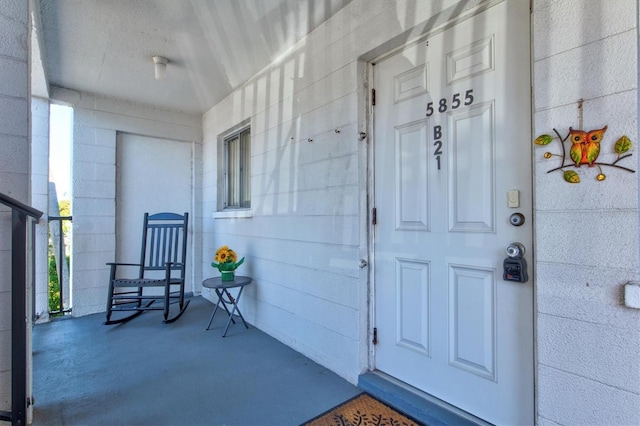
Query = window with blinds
x=237 y=152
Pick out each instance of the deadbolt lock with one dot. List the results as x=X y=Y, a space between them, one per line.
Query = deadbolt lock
x=516 y=219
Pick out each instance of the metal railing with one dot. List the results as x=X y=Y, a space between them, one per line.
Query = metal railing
x=20 y=214
x=61 y=261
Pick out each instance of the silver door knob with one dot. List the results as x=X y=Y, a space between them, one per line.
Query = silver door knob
x=515 y=250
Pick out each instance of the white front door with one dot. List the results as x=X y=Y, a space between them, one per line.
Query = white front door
x=153 y=175
x=452 y=159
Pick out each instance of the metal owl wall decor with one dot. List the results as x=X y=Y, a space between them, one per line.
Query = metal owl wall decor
x=585 y=149
x=585 y=146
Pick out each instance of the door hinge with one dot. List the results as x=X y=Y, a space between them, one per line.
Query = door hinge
x=375 y=336
x=373 y=97
x=374 y=216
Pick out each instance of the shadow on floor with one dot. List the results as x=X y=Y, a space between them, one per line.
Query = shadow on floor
x=145 y=372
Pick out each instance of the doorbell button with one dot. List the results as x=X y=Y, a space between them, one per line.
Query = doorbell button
x=513 y=198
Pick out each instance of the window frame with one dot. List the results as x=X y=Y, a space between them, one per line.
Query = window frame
x=242 y=182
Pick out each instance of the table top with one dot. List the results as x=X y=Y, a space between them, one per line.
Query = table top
x=216 y=282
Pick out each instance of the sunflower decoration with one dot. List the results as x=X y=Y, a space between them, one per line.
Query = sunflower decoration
x=226 y=259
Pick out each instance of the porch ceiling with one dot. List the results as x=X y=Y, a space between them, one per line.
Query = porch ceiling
x=106 y=47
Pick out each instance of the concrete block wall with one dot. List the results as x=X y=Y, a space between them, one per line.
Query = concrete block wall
x=308 y=228
x=97 y=120
x=40 y=198
x=587 y=244
x=14 y=159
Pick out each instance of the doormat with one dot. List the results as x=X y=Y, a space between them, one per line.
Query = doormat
x=362 y=410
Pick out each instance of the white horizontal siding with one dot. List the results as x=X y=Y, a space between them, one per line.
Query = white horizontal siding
x=336 y=230
x=343 y=320
x=602 y=19
x=605 y=343
x=92 y=297
x=584 y=293
x=15 y=154
x=14 y=35
x=15 y=112
x=14 y=73
x=315 y=256
x=100 y=112
x=586 y=234
x=97 y=207
x=317 y=175
x=96 y=225
x=589 y=75
x=590 y=245
x=329 y=116
x=325 y=284
x=328 y=201
x=317 y=342
x=598 y=403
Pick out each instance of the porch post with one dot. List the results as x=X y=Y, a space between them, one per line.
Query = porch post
x=18 y=318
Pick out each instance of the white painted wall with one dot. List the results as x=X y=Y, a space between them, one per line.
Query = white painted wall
x=40 y=198
x=14 y=160
x=309 y=225
x=308 y=228
x=587 y=234
x=96 y=121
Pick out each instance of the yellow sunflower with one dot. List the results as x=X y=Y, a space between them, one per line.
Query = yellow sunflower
x=225 y=255
x=226 y=259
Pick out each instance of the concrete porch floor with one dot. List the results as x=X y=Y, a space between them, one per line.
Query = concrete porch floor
x=145 y=372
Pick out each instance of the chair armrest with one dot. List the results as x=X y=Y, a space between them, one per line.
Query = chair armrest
x=123 y=264
x=114 y=265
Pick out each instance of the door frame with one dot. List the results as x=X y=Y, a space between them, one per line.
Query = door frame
x=136 y=222
x=367 y=105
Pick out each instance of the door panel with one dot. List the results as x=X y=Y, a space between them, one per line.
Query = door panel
x=412 y=296
x=471 y=175
x=451 y=138
x=472 y=320
x=412 y=177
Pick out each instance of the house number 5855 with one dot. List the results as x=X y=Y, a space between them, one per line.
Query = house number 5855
x=456 y=102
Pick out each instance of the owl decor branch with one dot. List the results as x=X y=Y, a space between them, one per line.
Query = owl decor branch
x=620 y=157
x=585 y=148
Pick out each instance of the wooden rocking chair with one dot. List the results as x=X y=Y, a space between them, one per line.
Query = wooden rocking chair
x=162 y=265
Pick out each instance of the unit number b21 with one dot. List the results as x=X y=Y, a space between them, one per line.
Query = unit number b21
x=456 y=101
x=437 y=135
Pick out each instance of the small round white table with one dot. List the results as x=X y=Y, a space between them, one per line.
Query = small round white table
x=222 y=290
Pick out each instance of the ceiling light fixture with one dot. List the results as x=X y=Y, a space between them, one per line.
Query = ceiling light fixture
x=160 y=65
